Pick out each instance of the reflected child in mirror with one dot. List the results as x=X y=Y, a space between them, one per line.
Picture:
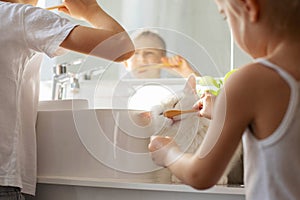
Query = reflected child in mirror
x=150 y=59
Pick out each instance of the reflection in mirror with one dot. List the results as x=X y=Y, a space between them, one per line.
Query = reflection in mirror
x=193 y=34
x=197 y=20
x=151 y=60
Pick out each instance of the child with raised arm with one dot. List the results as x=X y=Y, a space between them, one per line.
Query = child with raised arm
x=151 y=50
x=26 y=31
x=259 y=104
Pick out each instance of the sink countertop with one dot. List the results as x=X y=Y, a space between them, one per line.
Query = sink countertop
x=106 y=183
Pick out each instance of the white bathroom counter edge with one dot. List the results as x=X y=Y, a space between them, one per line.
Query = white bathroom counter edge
x=105 y=183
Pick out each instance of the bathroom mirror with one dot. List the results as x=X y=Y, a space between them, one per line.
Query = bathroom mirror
x=193 y=29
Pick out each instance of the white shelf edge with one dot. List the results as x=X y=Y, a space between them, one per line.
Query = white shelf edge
x=126 y=184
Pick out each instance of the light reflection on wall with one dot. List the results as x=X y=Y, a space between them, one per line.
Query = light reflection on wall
x=147 y=96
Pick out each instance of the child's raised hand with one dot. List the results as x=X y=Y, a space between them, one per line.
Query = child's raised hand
x=205 y=105
x=80 y=9
x=178 y=64
x=163 y=150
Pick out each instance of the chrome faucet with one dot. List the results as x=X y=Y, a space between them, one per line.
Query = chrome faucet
x=61 y=79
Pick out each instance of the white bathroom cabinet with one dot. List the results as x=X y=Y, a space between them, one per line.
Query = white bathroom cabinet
x=87 y=154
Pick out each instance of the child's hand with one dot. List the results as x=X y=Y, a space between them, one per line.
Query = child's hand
x=178 y=64
x=205 y=104
x=80 y=9
x=163 y=150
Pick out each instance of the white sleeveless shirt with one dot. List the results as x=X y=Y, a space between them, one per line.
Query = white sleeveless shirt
x=272 y=165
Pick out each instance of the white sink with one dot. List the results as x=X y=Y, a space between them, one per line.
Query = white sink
x=68 y=104
x=107 y=144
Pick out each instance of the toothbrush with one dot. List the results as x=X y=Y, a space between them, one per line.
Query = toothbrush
x=55 y=7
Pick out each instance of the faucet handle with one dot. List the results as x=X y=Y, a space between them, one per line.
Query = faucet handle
x=60 y=69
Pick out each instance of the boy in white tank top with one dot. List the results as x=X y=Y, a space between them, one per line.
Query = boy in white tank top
x=258 y=104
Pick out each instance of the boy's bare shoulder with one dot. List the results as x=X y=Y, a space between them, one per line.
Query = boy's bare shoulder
x=256 y=74
x=255 y=69
x=252 y=80
x=253 y=72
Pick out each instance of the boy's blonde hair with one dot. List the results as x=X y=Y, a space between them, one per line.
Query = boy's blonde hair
x=153 y=36
x=283 y=15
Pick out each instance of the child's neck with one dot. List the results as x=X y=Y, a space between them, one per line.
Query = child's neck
x=287 y=56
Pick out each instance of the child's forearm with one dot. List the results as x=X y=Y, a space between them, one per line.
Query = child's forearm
x=92 y=12
x=101 y=20
x=107 y=39
x=188 y=169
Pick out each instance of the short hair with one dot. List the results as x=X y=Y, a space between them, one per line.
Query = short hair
x=284 y=15
x=280 y=16
x=153 y=35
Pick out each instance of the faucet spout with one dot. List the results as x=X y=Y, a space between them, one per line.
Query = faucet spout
x=60 y=80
